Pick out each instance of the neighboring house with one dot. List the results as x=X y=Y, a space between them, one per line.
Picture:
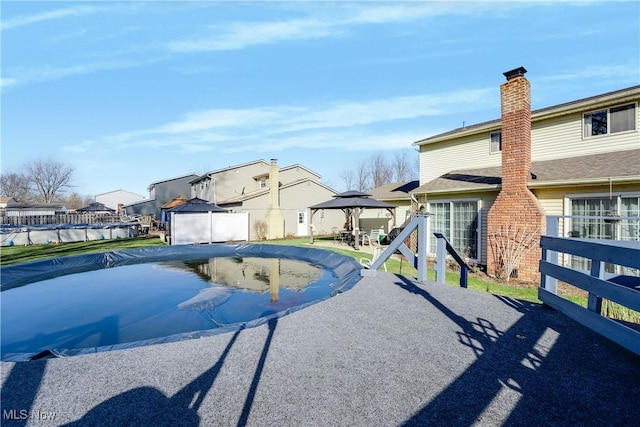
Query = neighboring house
x=577 y=158
x=164 y=209
x=161 y=192
x=118 y=198
x=34 y=209
x=4 y=201
x=246 y=188
x=97 y=208
x=395 y=193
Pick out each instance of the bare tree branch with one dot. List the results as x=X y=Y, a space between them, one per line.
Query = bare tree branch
x=348 y=178
x=403 y=168
x=15 y=185
x=48 y=179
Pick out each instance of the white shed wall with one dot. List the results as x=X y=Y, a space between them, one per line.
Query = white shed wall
x=209 y=227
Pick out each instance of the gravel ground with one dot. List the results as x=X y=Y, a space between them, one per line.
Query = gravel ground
x=388 y=352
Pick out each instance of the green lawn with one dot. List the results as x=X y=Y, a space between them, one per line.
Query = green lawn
x=16 y=254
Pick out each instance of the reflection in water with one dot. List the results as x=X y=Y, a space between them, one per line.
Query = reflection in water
x=274 y=278
x=154 y=301
x=252 y=273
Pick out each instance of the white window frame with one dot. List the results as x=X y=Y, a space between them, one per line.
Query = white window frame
x=608 y=110
x=567 y=210
x=478 y=202
x=491 y=149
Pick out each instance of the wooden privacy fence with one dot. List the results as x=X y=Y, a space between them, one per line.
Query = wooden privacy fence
x=621 y=289
x=71 y=218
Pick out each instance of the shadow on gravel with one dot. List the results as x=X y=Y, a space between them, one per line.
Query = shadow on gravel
x=149 y=406
x=561 y=373
x=19 y=392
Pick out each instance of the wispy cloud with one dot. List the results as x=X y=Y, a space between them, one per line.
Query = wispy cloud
x=242 y=35
x=620 y=72
x=52 y=72
x=74 y=11
x=340 y=125
x=6 y=82
x=322 y=23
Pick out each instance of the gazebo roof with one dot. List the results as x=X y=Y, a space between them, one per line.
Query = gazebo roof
x=96 y=207
x=197 y=205
x=352 y=202
x=352 y=193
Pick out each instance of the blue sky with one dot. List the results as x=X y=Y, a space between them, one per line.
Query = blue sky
x=136 y=92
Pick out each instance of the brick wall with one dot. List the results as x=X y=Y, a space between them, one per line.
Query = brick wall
x=516 y=207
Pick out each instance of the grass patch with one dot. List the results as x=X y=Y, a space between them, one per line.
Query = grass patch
x=16 y=254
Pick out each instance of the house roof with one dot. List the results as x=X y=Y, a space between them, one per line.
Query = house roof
x=119 y=190
x=580 y=105
x=620 y=166
x=172 y=179
x=176 y=201
x=266 y=173
x=395 y=190
x=96 y=207
x=55 y=206
x=228 y=168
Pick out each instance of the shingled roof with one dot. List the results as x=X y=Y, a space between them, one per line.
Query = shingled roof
x=617 y=166
x=394 y=190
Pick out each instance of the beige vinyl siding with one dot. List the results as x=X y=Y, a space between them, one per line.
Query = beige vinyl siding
x=463 y=153
x=561 y=137
x=551 y=138
x=296 y=173
x=292 y=200
x=376 y=218
x=299 y=197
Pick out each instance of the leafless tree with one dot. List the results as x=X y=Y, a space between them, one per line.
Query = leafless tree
x=381 y=171
x=377 y=170
x=363 y=176
x=15 y=185
x=48 y=179
x=403 y=168
x=77 y=201
x=348 y=178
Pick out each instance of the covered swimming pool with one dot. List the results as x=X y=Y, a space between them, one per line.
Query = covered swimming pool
x=114 y=300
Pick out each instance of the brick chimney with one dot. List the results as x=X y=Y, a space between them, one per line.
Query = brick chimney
x=274 y=218
x=516 y=207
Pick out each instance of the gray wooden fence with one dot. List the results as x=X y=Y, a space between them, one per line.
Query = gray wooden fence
x=71 y=218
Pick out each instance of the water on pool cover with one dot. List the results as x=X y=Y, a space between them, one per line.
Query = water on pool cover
x=147 y=301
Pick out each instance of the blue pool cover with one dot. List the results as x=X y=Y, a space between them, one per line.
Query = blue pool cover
x=346 y=272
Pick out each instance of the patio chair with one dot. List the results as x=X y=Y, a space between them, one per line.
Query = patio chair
x=374 y=237
x=340 y=237
x=366 y=262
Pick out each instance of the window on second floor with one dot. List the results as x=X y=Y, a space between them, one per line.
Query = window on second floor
x=610 y=120
x=496 y=142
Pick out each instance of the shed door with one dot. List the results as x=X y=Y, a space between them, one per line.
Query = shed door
x=302 y=223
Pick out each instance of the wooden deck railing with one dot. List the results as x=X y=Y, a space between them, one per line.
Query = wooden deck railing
x=445 y=247
x=623 y=290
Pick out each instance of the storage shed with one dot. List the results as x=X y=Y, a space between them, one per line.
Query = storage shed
x=198 y=221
